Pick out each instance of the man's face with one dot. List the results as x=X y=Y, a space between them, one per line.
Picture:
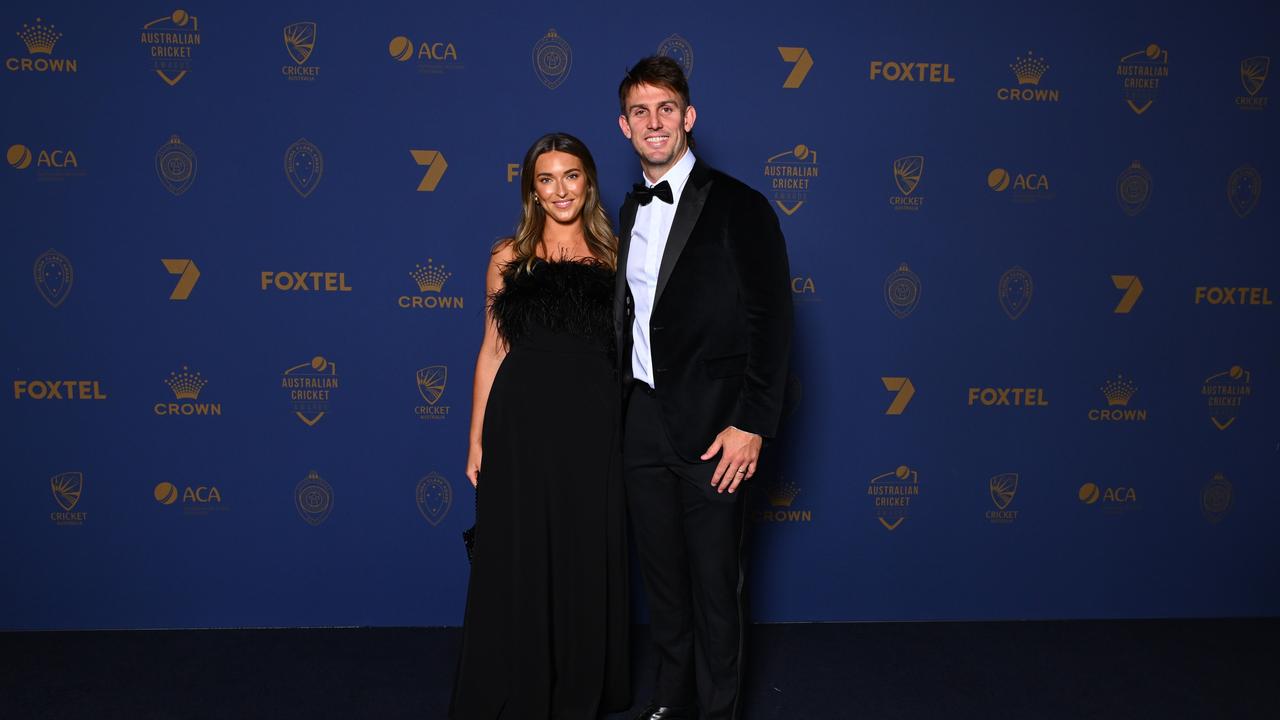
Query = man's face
x=657 y=124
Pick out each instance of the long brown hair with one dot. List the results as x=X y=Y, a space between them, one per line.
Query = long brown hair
x=601 y=241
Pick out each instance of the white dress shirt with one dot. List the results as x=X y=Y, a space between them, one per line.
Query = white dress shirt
x=648 y=241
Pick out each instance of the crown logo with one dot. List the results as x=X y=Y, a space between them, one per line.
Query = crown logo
x=783 y=493
x=430 y=278
x=39 y=38
x=1029 y=69
x=186 y=385
x=1119 y=391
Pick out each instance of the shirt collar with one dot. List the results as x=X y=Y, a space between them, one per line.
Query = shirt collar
x=678 y=173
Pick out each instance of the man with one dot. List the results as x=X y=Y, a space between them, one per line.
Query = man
x=703 y=315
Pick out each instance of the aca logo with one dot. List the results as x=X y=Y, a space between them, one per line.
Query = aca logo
x=433 y=161
x=1119 y=394
x=678 y=49
x=434 y=497
x=804 y=290
x=314 y=499
x=903 y=392
x=789 y=175
x=801 y=63
x=52 y=165
x=781 y=497
x=431 y=383
x=902 y=291
x=188 y=274
x=1215 y=295
x=907 y=172
x=1023 y=187
x=1014 y=292
x=198 y=500
x=67 y=488
x=1028 y=70
x=1132 y=287
x=1133 y=189
x=552 y=59
x=432 y=57
x=54 y=277
x=1002 y=488
x=300 y=42
x=891 y=494
x=1253 y=74
x=1243 y=188
x=170 y=41
x=314 y=281
x=1216 y=498
x=1008 y=397
x=1113 y=500
x=310 y=387
x=430 y=280
x=922 y=72
x=1225 y=393
x=176 y=166
x=1140 y=73
x=58 y=390
x=40 y=40
x=303 y=166
x=186 y=387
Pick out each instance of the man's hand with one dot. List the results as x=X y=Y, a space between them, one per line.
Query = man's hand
x=741 y=450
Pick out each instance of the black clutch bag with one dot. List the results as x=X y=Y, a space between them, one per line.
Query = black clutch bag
x=469 y=535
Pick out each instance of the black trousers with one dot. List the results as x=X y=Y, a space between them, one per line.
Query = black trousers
x=691 y=541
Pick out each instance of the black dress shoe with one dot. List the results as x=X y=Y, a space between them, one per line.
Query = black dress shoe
x=662 y=712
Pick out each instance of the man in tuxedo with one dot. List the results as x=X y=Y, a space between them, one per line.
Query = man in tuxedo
x=703 y=316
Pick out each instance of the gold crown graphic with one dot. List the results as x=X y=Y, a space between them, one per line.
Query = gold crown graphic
x=1119 y=391
x=39 y=38
x=430 y=278
x=1029 y=69
x=783 y=493
x=186 y=385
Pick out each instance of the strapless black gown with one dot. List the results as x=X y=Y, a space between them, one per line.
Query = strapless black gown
x=545 y=630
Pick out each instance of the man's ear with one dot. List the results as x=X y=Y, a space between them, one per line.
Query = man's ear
x=690 y=117
x=626 y=129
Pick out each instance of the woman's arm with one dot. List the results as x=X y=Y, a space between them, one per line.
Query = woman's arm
x=492 y=351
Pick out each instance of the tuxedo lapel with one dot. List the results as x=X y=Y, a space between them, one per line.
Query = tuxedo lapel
x=692 y=199
x=627 y=220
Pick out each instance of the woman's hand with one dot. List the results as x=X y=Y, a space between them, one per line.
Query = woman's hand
x=473 y=464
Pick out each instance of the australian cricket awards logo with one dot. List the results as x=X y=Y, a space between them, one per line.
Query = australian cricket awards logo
x=67 y=488
x=678 y=49
x=54 y=277
x=1133 y=189
x=902 y=291
x=431 y=383
x=40 y=39
x=1140 y=73
x=300 y=42
x=1118 y=392
x=1002 y=488
x=303 y=166
x=314 y=499
x=1253 y=74
x=789 y=176
x=434 y=56
x=780 y=498
x=1023 y=187
x=52 y=165
x=1113 y=500
x=310 y=387
x=176 y=166
x=1014 y=292
x=196 y=500
x=170 y=41
x=430 y=280
x=552 y=60
x=1225 y=393
x=1243 y=189
x=907 y=172
x=1028 y=70
x=186 y=387
x=891 y=495
x=434 y=496
x=1216 y=498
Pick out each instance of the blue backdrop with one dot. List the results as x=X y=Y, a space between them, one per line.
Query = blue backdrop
x=1035 y=372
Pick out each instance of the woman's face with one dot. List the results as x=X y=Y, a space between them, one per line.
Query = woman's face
x=560 y=184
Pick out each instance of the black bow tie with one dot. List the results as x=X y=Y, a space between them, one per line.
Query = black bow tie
x=644 y=195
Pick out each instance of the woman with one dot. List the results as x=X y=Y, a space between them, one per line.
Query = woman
x=544 y=635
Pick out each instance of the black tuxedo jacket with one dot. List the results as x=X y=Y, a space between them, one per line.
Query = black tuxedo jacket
x=720 y=331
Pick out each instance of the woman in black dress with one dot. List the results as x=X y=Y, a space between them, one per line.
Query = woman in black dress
x=544 y=635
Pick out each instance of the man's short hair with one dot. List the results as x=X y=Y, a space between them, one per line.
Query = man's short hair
x=659 y=71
